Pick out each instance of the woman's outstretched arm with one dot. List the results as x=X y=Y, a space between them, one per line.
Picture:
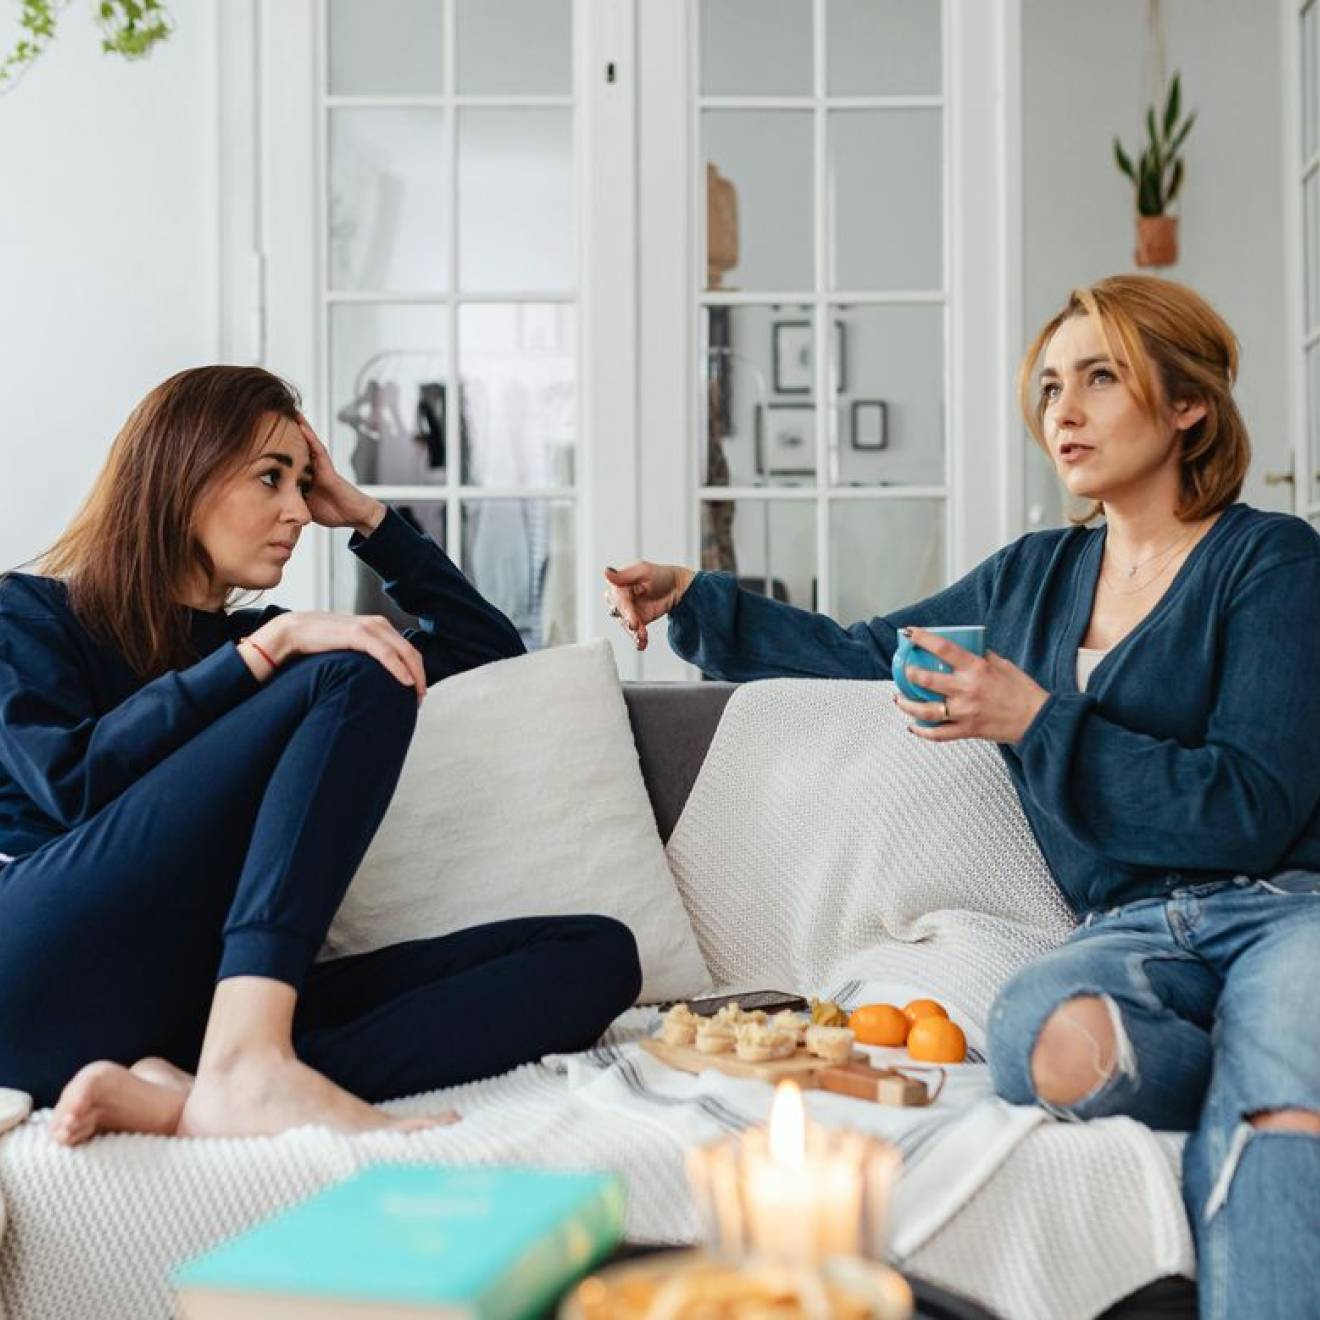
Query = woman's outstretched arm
x=737 y=635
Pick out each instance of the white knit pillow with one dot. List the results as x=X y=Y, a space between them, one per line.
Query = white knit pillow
x=522 y=795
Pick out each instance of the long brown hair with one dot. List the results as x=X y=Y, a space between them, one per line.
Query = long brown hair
x=131 y=546
x=1164 y=329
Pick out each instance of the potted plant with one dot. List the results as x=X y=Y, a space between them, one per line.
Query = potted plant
x=1157 y=177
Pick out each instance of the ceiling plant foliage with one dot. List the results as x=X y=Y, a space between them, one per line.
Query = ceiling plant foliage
x=128 y=27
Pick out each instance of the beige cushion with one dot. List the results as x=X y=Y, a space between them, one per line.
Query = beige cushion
x=522 y=795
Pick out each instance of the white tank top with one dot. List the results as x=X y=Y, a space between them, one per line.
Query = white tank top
x=1087 y=659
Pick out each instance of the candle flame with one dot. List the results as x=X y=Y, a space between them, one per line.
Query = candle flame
x=788 y=1127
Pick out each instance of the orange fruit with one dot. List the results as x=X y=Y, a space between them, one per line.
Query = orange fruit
x=920 y=1008
x=879 y=1024
x=937 y=1040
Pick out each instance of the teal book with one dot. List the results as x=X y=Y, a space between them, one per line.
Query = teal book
x=408 y=1240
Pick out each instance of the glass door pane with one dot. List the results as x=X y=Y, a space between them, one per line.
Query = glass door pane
x=886 y=171
x=389 y=366
x=769 y=544
x=519 y=368
x=884 y=555
x=515 y=199
x=883 y=47
x=752 y=371
x=756 y=48
x=389 y=217
x=890 y=423
x=766 y=155
x=521 y=555
x=367 y=56
x=515 y=47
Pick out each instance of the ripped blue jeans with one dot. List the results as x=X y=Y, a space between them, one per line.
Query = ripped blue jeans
x=1214 y=992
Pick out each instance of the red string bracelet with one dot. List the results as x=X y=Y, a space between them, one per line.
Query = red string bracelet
x=259 y=649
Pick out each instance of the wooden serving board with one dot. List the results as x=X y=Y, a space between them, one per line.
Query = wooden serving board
x=800 y=1066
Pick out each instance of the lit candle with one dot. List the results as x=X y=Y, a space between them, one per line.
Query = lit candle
x=804 y=1186
x=796 y=1193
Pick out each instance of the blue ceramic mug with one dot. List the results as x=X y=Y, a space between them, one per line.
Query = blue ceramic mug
x=971 y=637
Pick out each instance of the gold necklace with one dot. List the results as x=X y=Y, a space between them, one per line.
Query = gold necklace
x=1132 y=591
x=1131 y=571
x=1104 y=578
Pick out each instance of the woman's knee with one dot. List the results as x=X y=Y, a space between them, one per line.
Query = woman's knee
x=615 y=959
x=366 y=681
x=1075 y=1051
x=1047 y=1045
x=1287 y=1120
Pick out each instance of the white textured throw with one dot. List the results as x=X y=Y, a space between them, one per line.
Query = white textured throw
x=823 y=843
x=825 y=849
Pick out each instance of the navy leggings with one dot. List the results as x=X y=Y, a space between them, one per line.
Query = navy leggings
x=229 y=858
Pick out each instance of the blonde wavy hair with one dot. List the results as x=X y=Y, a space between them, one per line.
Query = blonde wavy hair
x=1177 y=349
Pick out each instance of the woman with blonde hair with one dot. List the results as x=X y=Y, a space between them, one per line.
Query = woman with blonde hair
x=1154 y=686
x=187 y=789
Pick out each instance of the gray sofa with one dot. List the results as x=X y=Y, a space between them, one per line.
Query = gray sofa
x=672 y=725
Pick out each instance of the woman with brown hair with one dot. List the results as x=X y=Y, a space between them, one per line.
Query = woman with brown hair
x=186 y=791
x=1154 y=686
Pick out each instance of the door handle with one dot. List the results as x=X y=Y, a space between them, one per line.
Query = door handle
x=1279 y=479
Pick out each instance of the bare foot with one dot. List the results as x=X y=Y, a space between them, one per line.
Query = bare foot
x=163 y=1073
x=259 y=1094
x=106 y=1097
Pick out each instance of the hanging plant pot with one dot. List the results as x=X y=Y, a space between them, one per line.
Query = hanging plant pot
x=1157 y=240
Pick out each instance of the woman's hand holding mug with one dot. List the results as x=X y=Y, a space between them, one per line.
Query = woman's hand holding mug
x=640 y=593
x=975 y=695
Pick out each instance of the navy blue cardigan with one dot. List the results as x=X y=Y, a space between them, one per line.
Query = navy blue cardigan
x=1193 y=755
x=78 y=725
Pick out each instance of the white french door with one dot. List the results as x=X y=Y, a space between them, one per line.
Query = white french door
x=829 y=285
x=432 y=239
x=481 y=229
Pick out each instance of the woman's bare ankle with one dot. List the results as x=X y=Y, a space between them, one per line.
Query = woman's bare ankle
x=250 y=1016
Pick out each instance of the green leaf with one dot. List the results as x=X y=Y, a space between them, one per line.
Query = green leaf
x=1124 y=161
x=1176 y=181
x=1171 y=106
x=1148 y=190
x=1182 y=133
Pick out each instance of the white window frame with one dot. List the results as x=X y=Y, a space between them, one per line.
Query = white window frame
x=982 y=262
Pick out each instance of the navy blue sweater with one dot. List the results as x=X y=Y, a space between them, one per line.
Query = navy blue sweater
x=1193 y=755
x=78 y=726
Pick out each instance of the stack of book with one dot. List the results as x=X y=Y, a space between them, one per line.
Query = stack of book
x=400 y=1241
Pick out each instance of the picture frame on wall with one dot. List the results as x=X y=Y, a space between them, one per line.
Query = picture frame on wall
x=794 y=361
x=785 y=440
x=870 y=424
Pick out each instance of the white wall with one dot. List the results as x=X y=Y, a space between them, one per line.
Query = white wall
x=108 y=254
x=1083 y=82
